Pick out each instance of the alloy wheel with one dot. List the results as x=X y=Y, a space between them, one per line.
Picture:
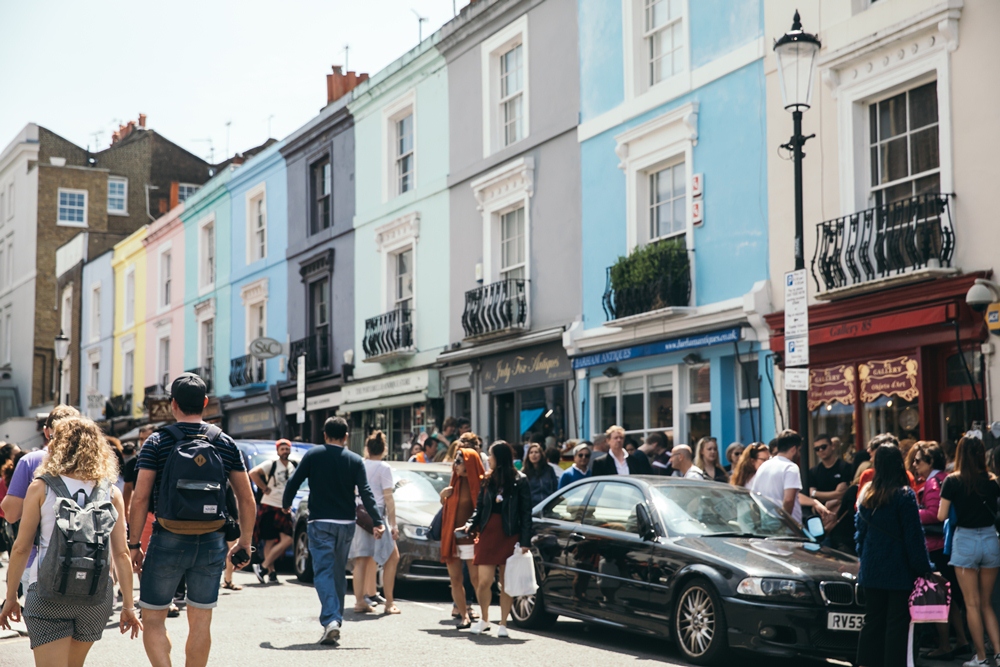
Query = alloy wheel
x=302 y=553
x=696 y=621
x=523 y=607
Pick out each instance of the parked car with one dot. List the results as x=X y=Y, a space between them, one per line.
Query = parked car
x=709 y=565
x=416 y=490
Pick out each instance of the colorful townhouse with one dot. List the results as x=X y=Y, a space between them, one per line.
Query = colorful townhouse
x=514 y=199
x=97 y=329
x=258 y=285
x=673 y=159
x=129 y=264
x=401 y=247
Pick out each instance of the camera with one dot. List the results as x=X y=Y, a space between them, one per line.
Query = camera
x=981 y=295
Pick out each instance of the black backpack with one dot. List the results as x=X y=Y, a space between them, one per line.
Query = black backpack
x=192 y=494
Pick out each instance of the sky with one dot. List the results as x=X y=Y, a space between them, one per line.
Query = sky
x=81 y=68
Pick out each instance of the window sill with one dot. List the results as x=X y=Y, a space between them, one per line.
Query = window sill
x=118 y=213
x=65 y=223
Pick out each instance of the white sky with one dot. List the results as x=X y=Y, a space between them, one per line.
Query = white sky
x=191 y=66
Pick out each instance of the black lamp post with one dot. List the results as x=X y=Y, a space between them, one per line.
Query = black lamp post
x=797 y=51
x=62 y=349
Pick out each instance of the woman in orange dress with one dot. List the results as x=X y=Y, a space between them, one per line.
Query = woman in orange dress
x=459 y=500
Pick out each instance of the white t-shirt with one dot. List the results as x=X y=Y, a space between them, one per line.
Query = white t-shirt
x=694 y=472
x=773 y=477
x=276 y=482
x=379 y=479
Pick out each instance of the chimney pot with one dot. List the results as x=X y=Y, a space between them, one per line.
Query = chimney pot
x=142 y=121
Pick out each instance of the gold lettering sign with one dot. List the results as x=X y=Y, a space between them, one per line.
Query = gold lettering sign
x=528 y=367
x=831 y=385
x=889 y=377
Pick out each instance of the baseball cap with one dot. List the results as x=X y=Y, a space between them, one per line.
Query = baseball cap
x=189 y=391
x=281 y=442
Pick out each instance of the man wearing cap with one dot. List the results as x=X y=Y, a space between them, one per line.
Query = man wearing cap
x=192 y=550
x=273 y=525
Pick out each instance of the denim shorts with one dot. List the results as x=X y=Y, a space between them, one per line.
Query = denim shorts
x=975 y=548
x=200 y=559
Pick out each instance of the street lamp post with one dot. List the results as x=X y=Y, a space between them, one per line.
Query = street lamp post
x=62 y=349
x=796 y=52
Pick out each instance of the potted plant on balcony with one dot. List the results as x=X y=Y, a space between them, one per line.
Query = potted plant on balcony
x=654 y=276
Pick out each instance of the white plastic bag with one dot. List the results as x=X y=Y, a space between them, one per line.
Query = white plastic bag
x=519 y=575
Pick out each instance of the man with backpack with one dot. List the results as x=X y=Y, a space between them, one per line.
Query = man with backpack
x=183 y=470
x=273 y=526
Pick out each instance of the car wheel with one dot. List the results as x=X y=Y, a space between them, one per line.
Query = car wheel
x=303 y=559
x=528 y=611
x=700 y=623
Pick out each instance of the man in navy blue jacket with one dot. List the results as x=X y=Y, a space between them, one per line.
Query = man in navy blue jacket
x=333 y=472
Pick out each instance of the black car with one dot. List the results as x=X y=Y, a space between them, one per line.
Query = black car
x=709 y=565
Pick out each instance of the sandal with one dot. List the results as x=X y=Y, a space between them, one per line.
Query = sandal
x=938 y=654
x=464 y=625
x=391 y=609
x=362 y=609
x=228 y=585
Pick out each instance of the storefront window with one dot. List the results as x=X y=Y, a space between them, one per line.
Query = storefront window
x=539 y=411
x=892 y=414
x=699 y=410
x=607 y=404
x=646 y=402
x=462 y=405
x=661 y=401
x=699 y=384
x=890 y=393
x=835 y=420
x=632 y=404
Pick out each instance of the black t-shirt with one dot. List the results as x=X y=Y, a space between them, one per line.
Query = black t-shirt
x=976 y=509
x=130 y=472
x=826 y=479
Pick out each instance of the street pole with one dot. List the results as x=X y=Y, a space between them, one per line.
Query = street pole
x=800 y=263
x=59 y=395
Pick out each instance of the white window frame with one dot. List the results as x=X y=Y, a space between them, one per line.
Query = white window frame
x=636 y=60
x=508 y=187
x=205 y=312
x=128 y=347
x=66 y=311
x=86 y=205
x=490 y=51
x=204 y=285
x=94 y=362
x=644 y=192
x=162 y=365
x=751 y=365
x=391 y=239
x=194 y=187
x=128 y=316
x=8 y=328
x=679 y=429
x=165 y=259
x=504 y=271
x=398 y=109
x=254 y=296
x=10 y=261
x=124 y=209
x=10 y=200
x=255 y=250
x=394 y=299
x=95 y=313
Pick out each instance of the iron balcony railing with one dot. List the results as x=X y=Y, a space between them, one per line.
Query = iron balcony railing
x=318 y=350
x=118 y=406
x=156 y=391
x=496 y=308
x=389 y=333
x=884 y=242
x=245 y=370
x=665 y=283
x=205 y=373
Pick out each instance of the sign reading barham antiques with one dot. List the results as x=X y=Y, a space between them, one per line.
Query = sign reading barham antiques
x=889 y=377
x=531 y=366
x=831 y=385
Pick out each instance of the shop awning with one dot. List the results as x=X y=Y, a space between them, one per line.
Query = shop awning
x=529 y=417
x=385 y=402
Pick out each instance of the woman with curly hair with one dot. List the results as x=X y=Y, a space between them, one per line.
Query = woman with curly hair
x=746 y=466
x=62 y=634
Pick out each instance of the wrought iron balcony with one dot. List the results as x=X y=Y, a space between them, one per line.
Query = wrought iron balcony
x=389 y=334
x=318 y=350
x=205 y=373
x=884 y=242
x=496 y=308
x=654 y=277
x=245 y=371
x=118 y=406
x=156 y=391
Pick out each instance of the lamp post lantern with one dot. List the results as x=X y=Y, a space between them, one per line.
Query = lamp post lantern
x=796 y=51
x=62 y=349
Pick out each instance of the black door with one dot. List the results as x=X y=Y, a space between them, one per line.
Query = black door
x=567 y=566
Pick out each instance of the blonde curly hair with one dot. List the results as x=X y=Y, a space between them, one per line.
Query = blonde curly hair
x=79 y=449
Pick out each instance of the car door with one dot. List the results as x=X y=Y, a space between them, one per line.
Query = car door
x=618 y=592
x=558 y=540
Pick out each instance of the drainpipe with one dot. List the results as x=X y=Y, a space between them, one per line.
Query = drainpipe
x=149 y=214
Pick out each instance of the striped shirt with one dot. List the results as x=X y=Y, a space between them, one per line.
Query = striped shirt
x=154 y=453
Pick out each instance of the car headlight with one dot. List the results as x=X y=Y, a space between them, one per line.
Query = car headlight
x=421 y=533
x=788 y=589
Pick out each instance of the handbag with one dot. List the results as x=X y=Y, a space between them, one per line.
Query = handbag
x=363 y=519
x=435 y=530
x=929 y=602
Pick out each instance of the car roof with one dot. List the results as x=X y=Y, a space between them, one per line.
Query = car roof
x=429 y=467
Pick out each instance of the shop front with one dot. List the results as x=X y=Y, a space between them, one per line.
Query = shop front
x=402 y=406
x=252 y=418
x=906 y=361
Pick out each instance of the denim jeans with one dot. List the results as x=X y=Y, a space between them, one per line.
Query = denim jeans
x=196 y=559
x=329 y=544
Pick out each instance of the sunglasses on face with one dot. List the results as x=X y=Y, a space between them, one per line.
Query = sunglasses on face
x=583 y=456
x=821 y=448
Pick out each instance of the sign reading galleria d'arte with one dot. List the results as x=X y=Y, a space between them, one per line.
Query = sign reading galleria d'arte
x=534 y=366
x=831 y=385
x=889 y=377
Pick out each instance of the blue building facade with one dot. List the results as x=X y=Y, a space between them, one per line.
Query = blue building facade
x=674 y=225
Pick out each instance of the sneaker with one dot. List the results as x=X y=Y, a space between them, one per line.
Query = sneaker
x=502 y=631
x=975 y=662
x=272 y=577
x=331 y=633
x=374 y=600
x=479 y=627
x=259 y=572
x=173 y=611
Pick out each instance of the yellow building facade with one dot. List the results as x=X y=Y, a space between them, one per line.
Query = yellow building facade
x=129 y=363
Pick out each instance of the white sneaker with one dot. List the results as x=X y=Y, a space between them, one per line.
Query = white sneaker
x=479 y=627
x=975 y=662
x=331 y=633
x=502 y=631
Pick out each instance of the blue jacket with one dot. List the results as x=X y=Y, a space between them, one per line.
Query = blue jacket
x=570 y=475
x=890 y=542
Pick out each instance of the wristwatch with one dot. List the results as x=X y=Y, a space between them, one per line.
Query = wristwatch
x=138 y=545
x=812 y=493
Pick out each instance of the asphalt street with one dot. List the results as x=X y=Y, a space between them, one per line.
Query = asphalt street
x=277 y=624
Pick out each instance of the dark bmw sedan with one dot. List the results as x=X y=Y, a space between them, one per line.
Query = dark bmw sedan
x=711 y=566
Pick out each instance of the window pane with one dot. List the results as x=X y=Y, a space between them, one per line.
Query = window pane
x=657 y=13
x=892 y=116
x=924 y=150
x=874 y=165
x=613 y=506
x=923 y=105
x=678 y=175
x=873 y=124
x=927 y=185
x=661 y=401
x=607 y=404
x=700 y=388
x=632 y=418
x=894 y=160
x=569 y=506
x=749 y=386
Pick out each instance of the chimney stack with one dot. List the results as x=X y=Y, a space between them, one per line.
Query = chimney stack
x=339 y=84
x=127 y=129
x=142 y=121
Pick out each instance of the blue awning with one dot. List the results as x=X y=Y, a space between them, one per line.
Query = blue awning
x=529 y=417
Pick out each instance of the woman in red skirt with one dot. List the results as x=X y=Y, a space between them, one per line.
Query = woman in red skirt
x=502 y=521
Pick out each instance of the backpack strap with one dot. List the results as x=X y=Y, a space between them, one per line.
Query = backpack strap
x=274 y=468
x=174 y=431
x=58 y=486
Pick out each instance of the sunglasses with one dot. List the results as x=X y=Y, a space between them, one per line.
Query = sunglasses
x=821 y=448
x=583 y=456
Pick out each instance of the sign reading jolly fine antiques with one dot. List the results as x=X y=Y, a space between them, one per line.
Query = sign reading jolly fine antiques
x=534 y=366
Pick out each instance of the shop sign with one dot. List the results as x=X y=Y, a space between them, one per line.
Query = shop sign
x=663 y=347
x=889 y=377
x=883 y=324
x=159 y=409
x=831 y=385
x=993 y=318
x=533 y=366
x=248 y=421
x=797 y=379
x=406 y=383
x=265 y=348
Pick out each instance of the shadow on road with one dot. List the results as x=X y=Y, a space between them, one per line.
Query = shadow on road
x=312 y=647
x=488 y=638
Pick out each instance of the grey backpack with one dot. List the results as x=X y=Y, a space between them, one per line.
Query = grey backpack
x=76 y=565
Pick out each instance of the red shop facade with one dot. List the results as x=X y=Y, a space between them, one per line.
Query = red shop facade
x=904 y=360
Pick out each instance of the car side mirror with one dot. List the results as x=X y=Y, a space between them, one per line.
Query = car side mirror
x=814 y=526
x=645 y=522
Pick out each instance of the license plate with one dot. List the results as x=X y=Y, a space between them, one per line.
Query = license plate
x=849 y=622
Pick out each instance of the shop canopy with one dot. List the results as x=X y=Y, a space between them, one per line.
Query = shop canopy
x=529 y=417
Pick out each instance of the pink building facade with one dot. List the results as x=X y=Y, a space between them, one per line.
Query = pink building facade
x=164 y=302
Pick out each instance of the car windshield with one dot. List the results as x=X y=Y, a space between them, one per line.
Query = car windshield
x=257 y=459
x=418 y=486
x=699 y=509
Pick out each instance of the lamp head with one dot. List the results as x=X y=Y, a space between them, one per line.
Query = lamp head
x=797 y=52
x=62 y=346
